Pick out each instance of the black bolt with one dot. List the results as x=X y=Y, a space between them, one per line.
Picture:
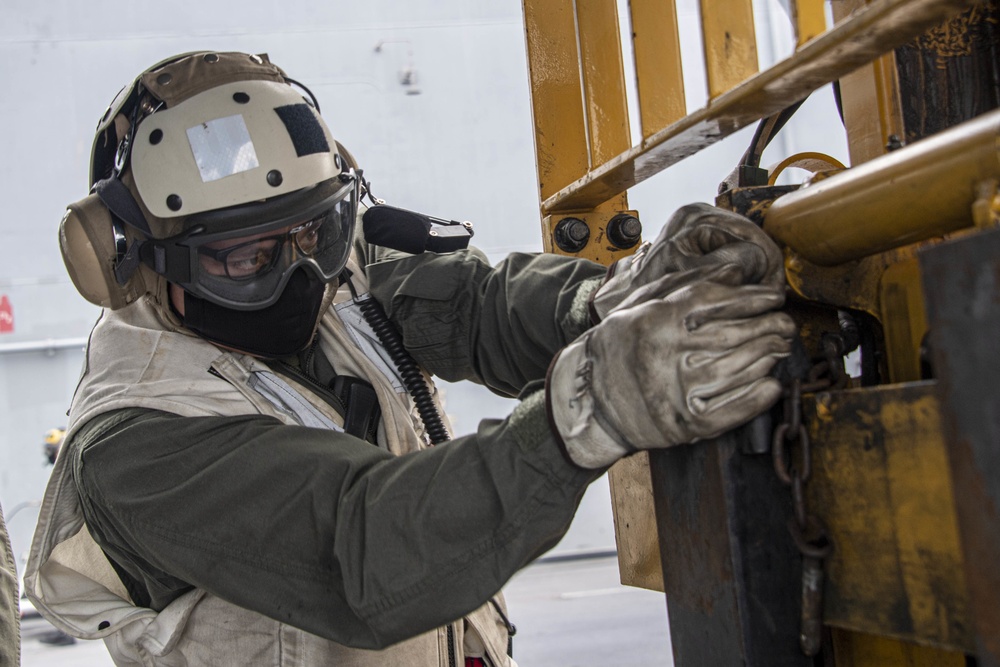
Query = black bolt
x=211 y=57
x=174 y=202
x=156 y=136
x=571 y=234
x=274 y=178
x=103 y=625
x=624 y=230
x=241 y=98
x=164 y=79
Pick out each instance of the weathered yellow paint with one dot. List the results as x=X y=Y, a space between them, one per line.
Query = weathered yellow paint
x=659 y=70
x=729 y=42
x=810 y=20
x=853 y=649
x=603 y=79
x=904 y=320
x=881 y=483
x=556 y=96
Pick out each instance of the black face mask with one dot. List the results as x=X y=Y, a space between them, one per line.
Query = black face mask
x=280 y=330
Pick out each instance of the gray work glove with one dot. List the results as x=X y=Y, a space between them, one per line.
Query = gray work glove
x=697 y=240
x=662 y=372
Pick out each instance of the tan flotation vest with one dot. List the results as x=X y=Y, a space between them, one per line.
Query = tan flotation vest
x=135 y=360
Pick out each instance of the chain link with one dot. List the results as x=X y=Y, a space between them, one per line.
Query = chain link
x=792 y=458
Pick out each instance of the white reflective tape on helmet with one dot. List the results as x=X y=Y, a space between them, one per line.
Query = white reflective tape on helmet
x=222 y=147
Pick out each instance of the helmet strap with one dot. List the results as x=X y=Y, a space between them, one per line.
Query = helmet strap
x=124 y=211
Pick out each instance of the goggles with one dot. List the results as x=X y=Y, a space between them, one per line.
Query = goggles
x=242 y=257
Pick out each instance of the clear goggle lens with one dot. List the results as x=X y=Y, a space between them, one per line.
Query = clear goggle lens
x=247 y=268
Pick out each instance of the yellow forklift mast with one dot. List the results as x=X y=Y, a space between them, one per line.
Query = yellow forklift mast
x=858 y=523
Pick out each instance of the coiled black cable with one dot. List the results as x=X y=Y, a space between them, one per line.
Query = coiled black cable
x=413 y=379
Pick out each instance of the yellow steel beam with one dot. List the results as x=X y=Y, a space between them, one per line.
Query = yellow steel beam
x=658 y=68
x=729 y=43
x=603 y=79
x=871 y=31
x=904 y=320
x=882 y=485
x=810 y=20
x=910 y=195
x=556 y=96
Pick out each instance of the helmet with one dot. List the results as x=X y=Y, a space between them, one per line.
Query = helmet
x=211 y=171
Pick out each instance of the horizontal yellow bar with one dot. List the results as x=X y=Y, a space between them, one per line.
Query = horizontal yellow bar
x=880 y=27
x=909 y=195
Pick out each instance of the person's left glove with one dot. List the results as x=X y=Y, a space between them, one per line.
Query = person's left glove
x=669 y=371
x=697 y=240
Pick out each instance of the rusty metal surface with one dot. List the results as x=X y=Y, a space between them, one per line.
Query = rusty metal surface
x=873 y=30
x=731 y=572
x=962 y=286
x=881 y=484
x=950 y=73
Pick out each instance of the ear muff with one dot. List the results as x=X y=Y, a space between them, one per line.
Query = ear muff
x=87 y=239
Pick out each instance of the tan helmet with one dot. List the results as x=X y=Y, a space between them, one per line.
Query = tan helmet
x=201 y=147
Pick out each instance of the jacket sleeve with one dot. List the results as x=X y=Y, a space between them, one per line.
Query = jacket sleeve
x=318 y=529
x=500 y=326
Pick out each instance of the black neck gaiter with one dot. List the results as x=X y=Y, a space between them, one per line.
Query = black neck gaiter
x=280 y=330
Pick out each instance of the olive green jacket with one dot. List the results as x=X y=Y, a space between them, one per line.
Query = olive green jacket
x=302 y=523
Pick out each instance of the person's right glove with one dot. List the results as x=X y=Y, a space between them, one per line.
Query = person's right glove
x=697 y=240
x=663 y=372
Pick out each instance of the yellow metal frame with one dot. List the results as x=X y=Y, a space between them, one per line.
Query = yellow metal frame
x=586 y=165
x=871 y=31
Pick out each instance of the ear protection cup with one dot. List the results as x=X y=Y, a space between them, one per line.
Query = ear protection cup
x=87 y=240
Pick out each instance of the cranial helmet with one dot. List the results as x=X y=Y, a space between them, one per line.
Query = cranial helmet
x=214 y=172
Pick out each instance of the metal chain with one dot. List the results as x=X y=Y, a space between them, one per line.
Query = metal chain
x=792 y=457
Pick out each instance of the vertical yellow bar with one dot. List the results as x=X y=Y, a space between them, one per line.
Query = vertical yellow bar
x=603 y=79
x=730 y=43
x=556 y=95
x=810 y=20
x=658 y=67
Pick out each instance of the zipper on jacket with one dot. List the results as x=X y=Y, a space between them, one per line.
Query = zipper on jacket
x=452 y=661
